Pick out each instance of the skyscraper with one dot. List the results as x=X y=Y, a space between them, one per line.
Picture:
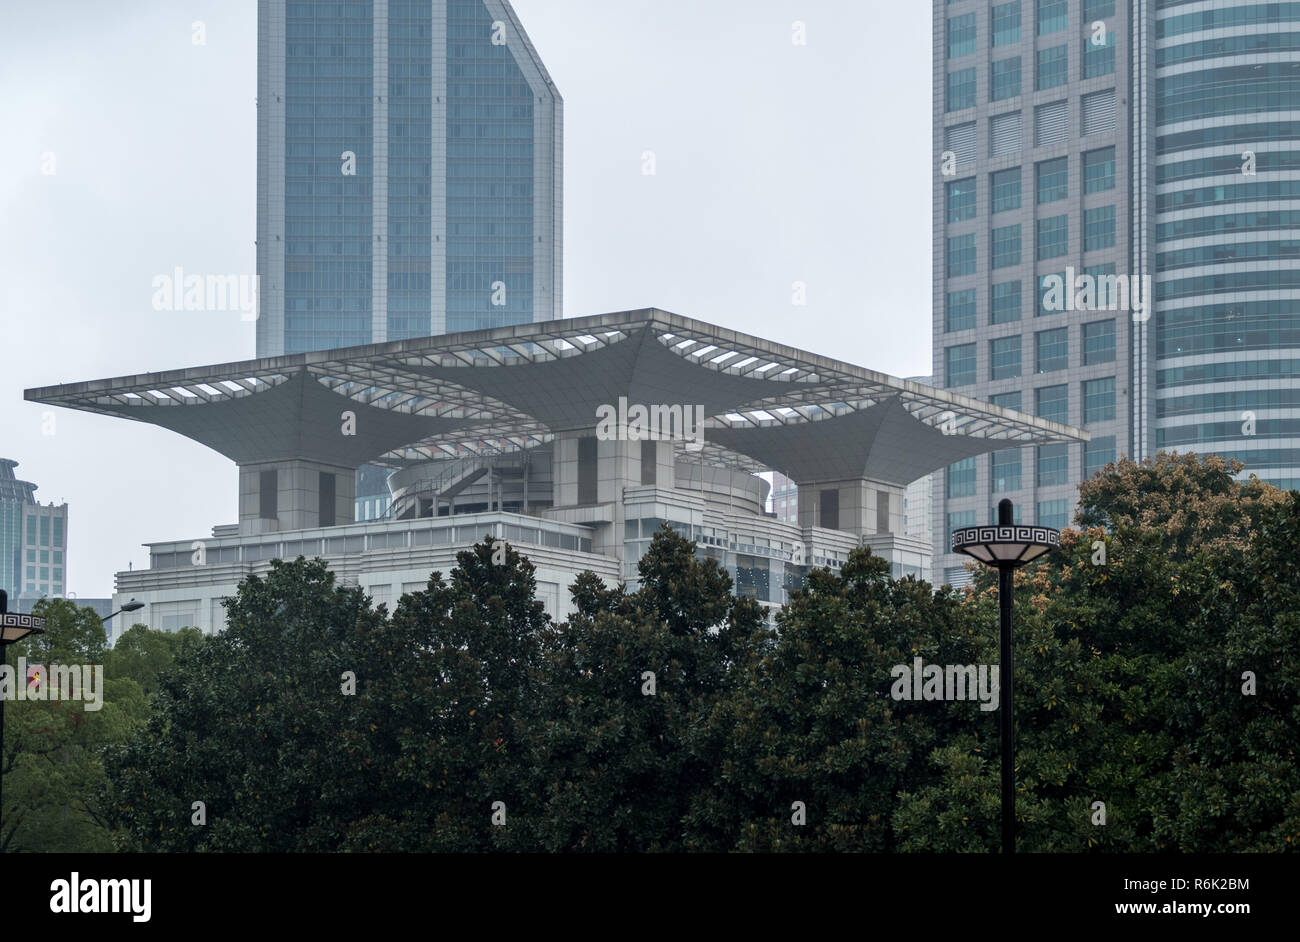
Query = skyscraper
x=409 y=158
x=33 y=540
x=1112 y=183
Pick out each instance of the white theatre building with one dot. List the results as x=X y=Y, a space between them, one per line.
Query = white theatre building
x=499 y=432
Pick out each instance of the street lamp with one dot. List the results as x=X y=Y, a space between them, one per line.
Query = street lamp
x=14 y=626
x=131 y=606
x=1006 y=547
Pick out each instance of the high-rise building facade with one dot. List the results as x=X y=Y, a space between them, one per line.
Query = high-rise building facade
x=409 y=172
x=1111 y=244
x=33 y=540
x=1223 y=207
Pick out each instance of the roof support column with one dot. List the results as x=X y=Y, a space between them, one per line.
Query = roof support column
x=859 y=506
x=295 y=494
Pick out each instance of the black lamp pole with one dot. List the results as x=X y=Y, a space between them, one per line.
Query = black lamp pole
x=1006 y=546
x=1006 y=598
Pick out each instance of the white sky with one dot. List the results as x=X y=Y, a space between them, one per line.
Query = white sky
x=776 y=163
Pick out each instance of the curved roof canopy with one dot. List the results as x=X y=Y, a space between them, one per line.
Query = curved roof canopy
x=768 y=406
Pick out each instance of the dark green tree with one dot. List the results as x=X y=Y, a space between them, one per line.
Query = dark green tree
x=317 y=723
x=53 y=773
x=630 y=679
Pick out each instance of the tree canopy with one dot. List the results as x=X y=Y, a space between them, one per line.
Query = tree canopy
x=1157 y=702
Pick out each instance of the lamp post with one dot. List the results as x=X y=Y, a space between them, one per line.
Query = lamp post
x=13 y=627
x=131 y=606
x=1006 y=547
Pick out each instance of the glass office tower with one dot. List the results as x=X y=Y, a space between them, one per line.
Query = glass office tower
x=33 y=540
x=409 y=172
x=1115 y=144
x=1225 y=231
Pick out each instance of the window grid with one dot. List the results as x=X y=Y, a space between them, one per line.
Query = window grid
x=1053 y=238
x=1052 y=350
x=1004 y=357
x=1099 y=400
x=1006 y=190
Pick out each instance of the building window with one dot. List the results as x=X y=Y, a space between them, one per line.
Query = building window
x=829 y=504
x=587 y=484
x=1098 y=228
x=1006 y=190
x=1053 y=465
x=325 y=509
x=1099 y=170
x=1006 y=79
x=1096 y=9
x=961 y=89
x=1099 y=113
x=1099 y=400
x=1053 y=16
x=960 y=311
x=1053 y=237
x=1004 y=357
x=1051 y=294
x=1054 y=514
x=1052 y=123
x=268 y=495
x=960 y=197
x=961 y=35
x=1006 y=246
x=960 y=365
x=1005 y=21
x=961 y=478
x=1099 y=342
x=1053 y=67
x=1053 y=403
x=1097 y=454
x=1007 y=400
x=1004 y=302
x=956 y=520
x=1099 y=57
x=1004 y=134
x=960 y=139
x=961 y=255
x=1099 y=289
x=1053 y=180
x=1053 y=350
x=649 y=463
x=45 y=556
x=1006 y=470
x=45 y=531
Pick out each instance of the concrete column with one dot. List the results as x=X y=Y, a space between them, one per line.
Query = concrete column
x=295 y=503
x=865 y=507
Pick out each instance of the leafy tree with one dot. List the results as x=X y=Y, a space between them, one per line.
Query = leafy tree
x=1131 y=642
x=629 y=683
x=814 y=720
x=672 y=718
x=53 y=773
x=258 y=723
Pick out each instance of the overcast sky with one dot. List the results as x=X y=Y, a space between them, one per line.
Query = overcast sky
x=776 y=162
